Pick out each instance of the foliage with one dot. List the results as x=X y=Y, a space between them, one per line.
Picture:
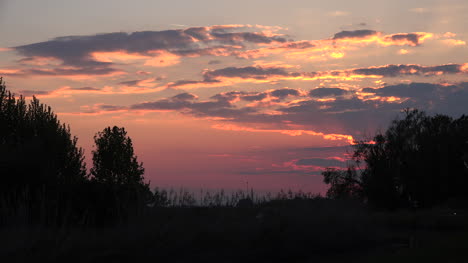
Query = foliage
x=117 y=174
x=419 y=161
x=343 y=183
x=35 y=148
x=114 y=161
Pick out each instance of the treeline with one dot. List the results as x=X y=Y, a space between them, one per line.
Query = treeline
x=420 y=161
x=43 y=175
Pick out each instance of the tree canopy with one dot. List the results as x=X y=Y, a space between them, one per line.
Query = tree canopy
x=114 y=159
x=35 y=148
x=419 y=160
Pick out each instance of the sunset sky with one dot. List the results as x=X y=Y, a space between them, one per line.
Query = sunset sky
x=218 y=94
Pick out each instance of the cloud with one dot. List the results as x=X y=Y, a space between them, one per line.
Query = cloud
x=327 y=92
x=320 y=162
x=290 y=112
x=410 y=69
x=334 y=137
x=97 y=53
x=410 y=39
x=454 y=42
x=356 y=34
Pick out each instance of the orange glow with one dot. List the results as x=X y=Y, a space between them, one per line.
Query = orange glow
x=162 y=59
x=337 y=54
x=334 y=137
x=454 y=42
x=41 y=61
x=464 y=67
x=10 y=71
x=403 y=52
x=326 y=100
x=449 y=35
x=116 y=56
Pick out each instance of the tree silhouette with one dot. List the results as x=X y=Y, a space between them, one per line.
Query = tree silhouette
x=117 y=176
x=114 y=160
x=35 y=148
x=343 y=183
x=41 y=166
x=419 y=160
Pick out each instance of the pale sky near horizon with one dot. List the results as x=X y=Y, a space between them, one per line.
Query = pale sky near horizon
x=218 y=93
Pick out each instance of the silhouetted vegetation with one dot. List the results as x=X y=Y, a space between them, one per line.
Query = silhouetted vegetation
x=41 y=166
x=419 y=161
x=53 y=210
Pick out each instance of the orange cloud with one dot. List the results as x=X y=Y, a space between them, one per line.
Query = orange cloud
x=403 y=51
x=112 y=56
x=333 y=137
x=162 y=59
x=454 y=42
x=40 y=61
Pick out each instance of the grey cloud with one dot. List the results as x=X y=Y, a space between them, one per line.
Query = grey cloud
x=354 y=34
x=76 y=50
x=409 y=69
x=249 y=72
x=184 y=96
x=327 y=92
x=86 y=89
x=412 y=90
x=29 y=93
x=410 y=37
x=320 y=162
x=281 y=93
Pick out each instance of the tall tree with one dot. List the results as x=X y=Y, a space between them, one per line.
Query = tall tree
x=114 y=159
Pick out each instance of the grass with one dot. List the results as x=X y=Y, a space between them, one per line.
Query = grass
x=286 y=227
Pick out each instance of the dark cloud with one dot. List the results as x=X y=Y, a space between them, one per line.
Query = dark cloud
x=354 y=34
x=77 y=50
x=321 y=162
x=412 y=90
x=30 y=93
x=86 y=88
x=409 y=37
x=201 y=83
x=129 y=82
x=107 y=107
x=350 y=114
x=249 y=73
x=409 y=69
x=255 y=97
x=184 y=96
x=282 y=93
x=327 y=92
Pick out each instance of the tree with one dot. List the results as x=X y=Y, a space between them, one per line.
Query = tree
x=36 y=150
x=419 y=160
x=343 y=183
x=117 y=177
x=41 y=167
x=114 y=160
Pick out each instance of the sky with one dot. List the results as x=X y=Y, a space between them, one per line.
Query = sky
x=237 y=94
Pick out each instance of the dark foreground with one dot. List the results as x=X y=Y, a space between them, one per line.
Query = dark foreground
x=283 y=231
